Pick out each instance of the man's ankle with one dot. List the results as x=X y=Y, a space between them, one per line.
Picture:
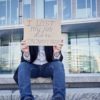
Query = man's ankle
x=28 y=98
x=58 y=97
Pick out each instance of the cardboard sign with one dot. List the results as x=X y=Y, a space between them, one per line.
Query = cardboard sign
x=42 y=32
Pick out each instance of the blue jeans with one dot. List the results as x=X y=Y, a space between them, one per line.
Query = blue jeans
x=54 y=69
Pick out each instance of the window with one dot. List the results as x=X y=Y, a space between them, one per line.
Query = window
x=14 y=12
x=86 y=8
x=81 y=9
x=95 y=51
x=89 y=8
x=84 y=52
x=94 y=8
x=39 y=9
x=10 y=49
x=27 y=7
x=2 y=12
x=72 y=53
x=50 y=9
x=66 y=9
x=8 y=12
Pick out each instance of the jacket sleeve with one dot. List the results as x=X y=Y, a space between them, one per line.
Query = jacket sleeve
x=24 y=58
x=60 y=57
x=15 y=77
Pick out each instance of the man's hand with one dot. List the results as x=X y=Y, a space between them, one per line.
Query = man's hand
x=57 y=48
x=24 y=47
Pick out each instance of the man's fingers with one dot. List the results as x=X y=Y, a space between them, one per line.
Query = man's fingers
x=24 y=41
x=57 y=48
x=24 y=47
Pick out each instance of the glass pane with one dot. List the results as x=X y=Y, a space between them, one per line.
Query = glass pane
x=81 y=9
x=27 y=5
x=50 y=9
x=15 y=50
x=83 y=53
x=89 y=8
x=14 y=11
x=72 y=53
x=79 y=54
x=95 y=51
x=10 y=49
x=2 y=12
x=4 y=53
x=66 y=9
x=39 y=9
x=8 y=12
x=94 y=8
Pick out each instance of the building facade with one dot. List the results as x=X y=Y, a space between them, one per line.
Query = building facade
x=80 y=25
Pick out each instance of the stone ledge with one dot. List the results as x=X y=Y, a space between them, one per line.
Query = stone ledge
x=72 y=81
x=46 y=94
x=71 y=78
x=11 y=80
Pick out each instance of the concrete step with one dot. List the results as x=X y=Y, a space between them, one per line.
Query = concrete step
x=46 y=94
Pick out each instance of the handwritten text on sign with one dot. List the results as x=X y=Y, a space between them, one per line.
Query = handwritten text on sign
x=42 y=32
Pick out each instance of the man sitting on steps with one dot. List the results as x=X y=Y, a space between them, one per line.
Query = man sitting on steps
x=40 y=61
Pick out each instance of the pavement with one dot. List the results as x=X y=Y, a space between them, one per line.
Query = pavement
x=46 y=94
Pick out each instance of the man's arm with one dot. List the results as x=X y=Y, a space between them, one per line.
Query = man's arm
x=58 y=56
x=25 y=51
x=26 y=56
x=57 y=52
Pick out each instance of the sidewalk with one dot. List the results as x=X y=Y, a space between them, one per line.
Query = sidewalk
x=77 y=88
x=45 y=94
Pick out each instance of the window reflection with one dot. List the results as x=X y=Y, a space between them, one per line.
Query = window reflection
x=89 y=8
x=66 y=9
x=84 y=52
x=95 y=51
x=50 y=8
x=72 y=53
x=86 y=8
x=4 y=54
x=27 y=5
x=14 y=12
x=10 y=50
x=81 y=9
x=8 y=12
x=2 y=12
x=94 y=8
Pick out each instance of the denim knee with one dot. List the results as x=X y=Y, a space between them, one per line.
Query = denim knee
x=24 y=65
x=58 y=65
x=24 y=68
